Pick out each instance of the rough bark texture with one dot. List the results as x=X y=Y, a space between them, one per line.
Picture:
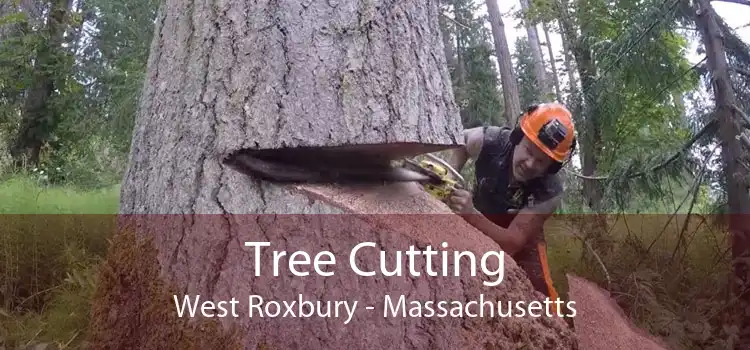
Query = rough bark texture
x=511 y=98
x=601 y=324
x=236 y=74
x=734 y=172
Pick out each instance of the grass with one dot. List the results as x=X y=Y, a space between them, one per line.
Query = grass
x=21 y=195
x=673 y=287
x=47 y=267
x=48 y=262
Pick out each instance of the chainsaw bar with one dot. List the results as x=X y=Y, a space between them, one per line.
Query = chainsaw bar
x=320 y=166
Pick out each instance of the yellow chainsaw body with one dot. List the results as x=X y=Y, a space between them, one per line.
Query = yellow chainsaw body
x=447 y=185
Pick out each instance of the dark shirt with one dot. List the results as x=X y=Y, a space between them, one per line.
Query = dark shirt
x=494 y=195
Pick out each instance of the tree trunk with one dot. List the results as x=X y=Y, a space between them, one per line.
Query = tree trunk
x=507 y=77
x=572 y=81
x=38 y=119
x=732 y=155
x=540 y=72
x=679 y=102
x=448 y=48
x=553 y=64
x=273 y=89
x=291 y=75
x=585 y=111
x=591 y=138
x=460 y=62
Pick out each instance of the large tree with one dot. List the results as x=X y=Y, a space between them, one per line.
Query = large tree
x=239 y=75
x=730 y=119
x=511 y=100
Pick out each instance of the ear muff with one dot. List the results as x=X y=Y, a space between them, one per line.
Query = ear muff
x=516 y=135
x=556 y=166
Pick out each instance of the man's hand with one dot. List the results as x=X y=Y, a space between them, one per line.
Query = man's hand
x=460 y=202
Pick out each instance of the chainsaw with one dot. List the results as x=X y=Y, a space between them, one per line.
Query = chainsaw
x=444 y=178
x=342 y=165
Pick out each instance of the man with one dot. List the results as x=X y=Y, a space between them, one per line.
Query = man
x=517 y=185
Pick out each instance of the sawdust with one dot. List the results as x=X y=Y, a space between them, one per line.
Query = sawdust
x=601 y=324
x=396 y=198
x=436 y=223
x=132 y=307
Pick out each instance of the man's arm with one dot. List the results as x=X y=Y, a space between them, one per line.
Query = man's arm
x=473 y=139
x=527 y=223
x=509 y=240
x=530 y=220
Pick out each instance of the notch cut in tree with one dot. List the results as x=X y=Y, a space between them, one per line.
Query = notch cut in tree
x=237 y=75
x=287 y=74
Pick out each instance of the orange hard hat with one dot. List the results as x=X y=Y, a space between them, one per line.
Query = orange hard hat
x=550 y=127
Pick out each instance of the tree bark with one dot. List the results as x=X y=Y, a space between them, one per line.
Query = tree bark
x=507 y=77
x=591 y=139
x=732 y=155
x=292 y=74
x=344 y=75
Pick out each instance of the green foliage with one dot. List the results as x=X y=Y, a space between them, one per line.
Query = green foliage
x=482 y=104
x=667 y=273
x=88 y=119
x=528 y=88
x=475 y=81
x=15 y=67
x=48 y=262
x=639 y=67
x=117 y=63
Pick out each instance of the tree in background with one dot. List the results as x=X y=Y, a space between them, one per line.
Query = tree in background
x=68 y=112
x=475 y=83
x=530 y=91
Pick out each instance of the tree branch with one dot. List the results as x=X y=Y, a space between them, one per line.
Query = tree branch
x=741 y=2
x=454 y=21
x=708 y=127
x=741 y=71
x=742 y=114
